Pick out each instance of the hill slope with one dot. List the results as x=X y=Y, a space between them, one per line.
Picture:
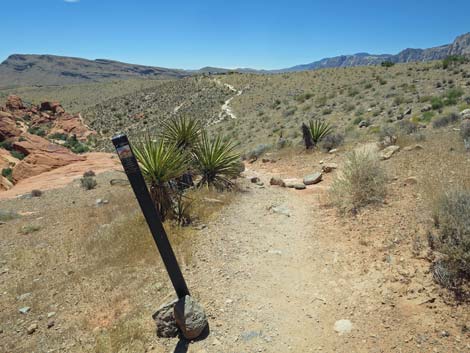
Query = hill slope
x=50 y=70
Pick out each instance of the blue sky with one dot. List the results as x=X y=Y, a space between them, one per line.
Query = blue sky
x=238 y=33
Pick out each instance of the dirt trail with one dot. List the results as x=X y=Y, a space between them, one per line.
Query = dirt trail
x=280 y=281
x=226 y=110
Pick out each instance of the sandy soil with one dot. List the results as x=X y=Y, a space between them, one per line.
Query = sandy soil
x=99 y=162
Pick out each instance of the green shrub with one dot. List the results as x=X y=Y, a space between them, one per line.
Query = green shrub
x=387 y=63
x=36 y=130
x=58 y=136
x=437 y=103
x=7 y=173
x=161 y=163
x=17 y=154
x=318 y=130
x=451 y=236
x=75 y=146
x=361 y=183
x=6 y=145
x=181 y=131
x=216 y=161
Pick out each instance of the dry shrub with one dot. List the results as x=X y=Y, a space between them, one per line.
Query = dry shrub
x=451 y=237
x=361 y=183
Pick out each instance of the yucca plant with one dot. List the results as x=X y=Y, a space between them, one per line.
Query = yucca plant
x=181 y=131
x=216 y=161
x=318 y=130
x=161 y=163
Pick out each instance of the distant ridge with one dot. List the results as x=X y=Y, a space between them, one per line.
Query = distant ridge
x=50 y=70
x=460 y=46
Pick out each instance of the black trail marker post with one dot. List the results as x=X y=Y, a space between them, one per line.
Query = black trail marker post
x=136 y=179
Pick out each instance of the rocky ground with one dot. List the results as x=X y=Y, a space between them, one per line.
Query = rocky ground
x=277 y=269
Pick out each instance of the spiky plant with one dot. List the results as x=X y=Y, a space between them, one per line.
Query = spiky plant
x=181 y=131
x=161 y=163
x=216 y=161
x=318 y=130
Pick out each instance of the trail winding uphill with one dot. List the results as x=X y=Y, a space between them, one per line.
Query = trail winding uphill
x=226 y=110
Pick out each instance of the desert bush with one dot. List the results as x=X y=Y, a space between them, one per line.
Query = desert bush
x=361 y=183
x=216 y=161
x=7 y=173
x=387 y=63
x=445 y=120
x=36 y=130
x=88 y=183
x=58 y=136
x=161 y=163
x=407 y=127
x=332 y=141
x=75 y=146
x=181 y=131
x=257 y=152
x=28 y=229
x=8 y=215
x=36 y=193
x=451 y=236
x=89 y=173
x=465 y=133
x=17 y=154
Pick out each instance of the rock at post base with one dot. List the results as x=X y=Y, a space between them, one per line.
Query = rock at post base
x=165 y=319
x=311 y=179
x=190 y=317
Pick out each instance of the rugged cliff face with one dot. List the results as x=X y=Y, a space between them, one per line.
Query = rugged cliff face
x=460 y=46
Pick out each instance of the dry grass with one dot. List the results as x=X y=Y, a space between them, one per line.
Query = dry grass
x=362 y=182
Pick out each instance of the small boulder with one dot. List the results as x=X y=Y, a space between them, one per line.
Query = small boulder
x=277 y=181
x=254 y=180
x=465 y=114
x=410 y=181
x=407 y=111
x=299 y=186
x=165 y=320
x=363 y=123
x=426 y=108
x=314 y=178
x=32 y=328
x=190 y=317
x=14 y=103
x=343 y=326
x=388 y=152
x=329 y=167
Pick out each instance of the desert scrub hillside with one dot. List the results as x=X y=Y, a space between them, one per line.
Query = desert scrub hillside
x=403 y=94
x=197 y=97
x=77 y=97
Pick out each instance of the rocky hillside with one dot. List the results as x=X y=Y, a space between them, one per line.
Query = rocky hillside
x=199 y=97
x=37 y=139
x=460 y=46
x=50 y=70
